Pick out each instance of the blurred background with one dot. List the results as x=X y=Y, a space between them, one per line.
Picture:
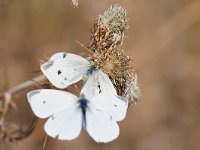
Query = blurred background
x=163 y=40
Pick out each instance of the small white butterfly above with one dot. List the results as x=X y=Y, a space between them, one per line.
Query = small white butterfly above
x=68 y=113
x=64 y=69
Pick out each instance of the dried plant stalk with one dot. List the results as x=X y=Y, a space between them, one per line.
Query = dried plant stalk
x=106 y=37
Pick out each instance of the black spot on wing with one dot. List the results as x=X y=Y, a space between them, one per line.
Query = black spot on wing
x=64 y=55
x=47 y=65
x=44 y=102
x=59 y=72
x=99 y=87
x=31 y=94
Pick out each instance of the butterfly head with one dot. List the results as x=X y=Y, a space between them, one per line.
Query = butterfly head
x=83 y=102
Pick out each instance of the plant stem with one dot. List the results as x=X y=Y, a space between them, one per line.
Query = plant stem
x=8 y=95
x=21 y=87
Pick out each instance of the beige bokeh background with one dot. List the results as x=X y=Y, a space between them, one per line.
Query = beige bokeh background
x=163 y=40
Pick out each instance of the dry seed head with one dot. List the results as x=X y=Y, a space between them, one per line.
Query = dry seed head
x=114 y=17
x=122 y=70
x=101 y=59
x=109 y=28
x=133 y=91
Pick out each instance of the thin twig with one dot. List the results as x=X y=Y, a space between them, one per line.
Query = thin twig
x=8 y=95
x=21 y=87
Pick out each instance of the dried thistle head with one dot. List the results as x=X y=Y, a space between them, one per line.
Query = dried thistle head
x=107 y=35
x=109 y=28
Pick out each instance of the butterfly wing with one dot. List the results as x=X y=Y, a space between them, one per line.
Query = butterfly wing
x=90 y=86
x=65 y=125
x=100 y=126
x=113 y=105
x=64 y=69
x=104 y=84
x=97 y=82
x=46 y=102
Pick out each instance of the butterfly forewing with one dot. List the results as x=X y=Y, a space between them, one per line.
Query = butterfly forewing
x=64 y=69
x=46 y=102
x=104 y=84
x=90 y=87
x=97 y=82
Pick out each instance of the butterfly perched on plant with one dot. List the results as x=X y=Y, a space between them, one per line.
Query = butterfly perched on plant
x=106 y=74
x=64 y=69
x=67 y=114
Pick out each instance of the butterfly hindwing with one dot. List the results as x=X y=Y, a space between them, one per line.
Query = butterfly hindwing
x=64 y=69
x=111 y=104
x=65 y=125
x=100 y=125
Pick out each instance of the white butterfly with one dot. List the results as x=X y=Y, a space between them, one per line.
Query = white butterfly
x=64 y=69
x=67 y=114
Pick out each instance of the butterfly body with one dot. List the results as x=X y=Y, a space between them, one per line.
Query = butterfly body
x=83 y=105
